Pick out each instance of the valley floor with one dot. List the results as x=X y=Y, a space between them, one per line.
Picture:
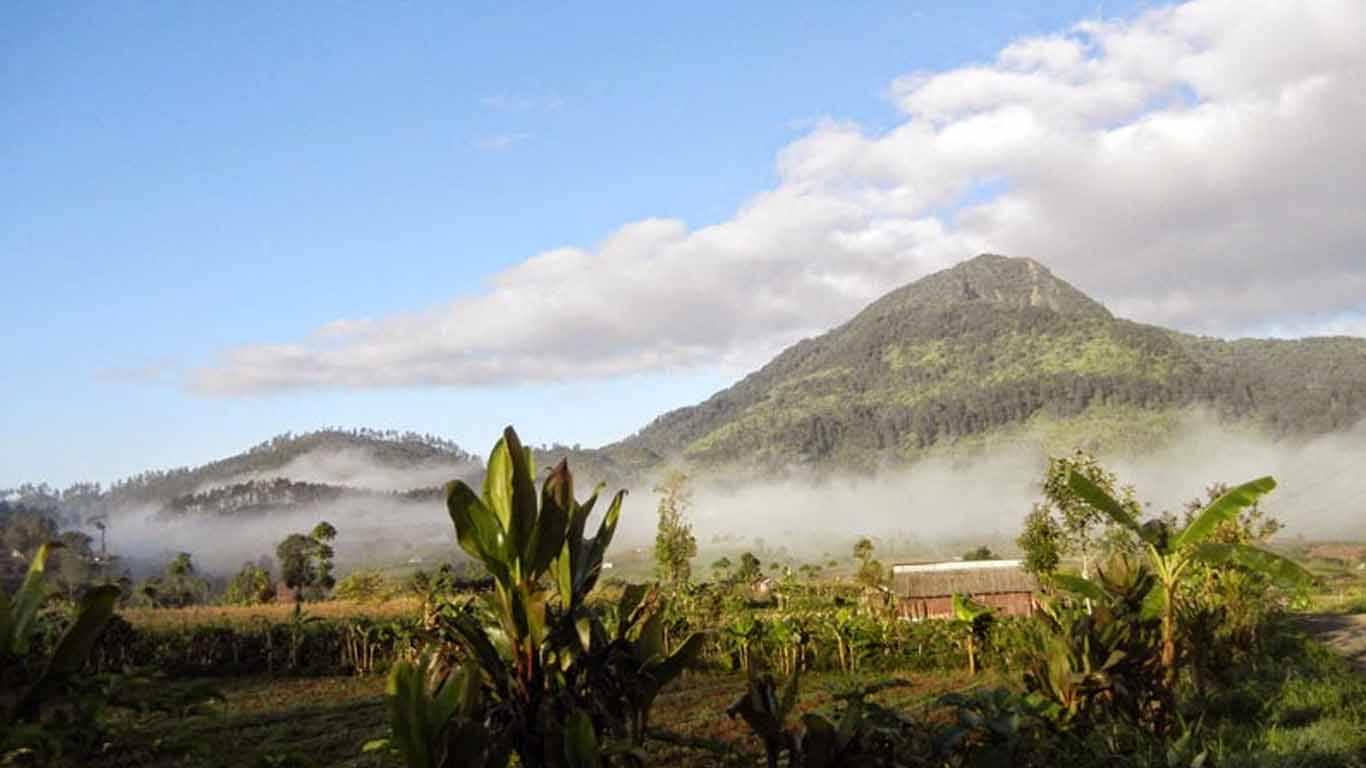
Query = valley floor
x=288 y=723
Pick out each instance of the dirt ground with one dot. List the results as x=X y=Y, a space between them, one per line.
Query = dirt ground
x=1345 y=634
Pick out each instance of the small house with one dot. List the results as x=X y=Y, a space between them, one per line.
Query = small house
x=761 y=588
x=926 y=590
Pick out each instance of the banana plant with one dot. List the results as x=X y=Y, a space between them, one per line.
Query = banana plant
x=557 y=688
x=20 y=727
x=974 y=619
x=1171 y=553
x=1092 y=661
x=814 y=742
x=436 y=720
x=630 y=657
x=523 y=544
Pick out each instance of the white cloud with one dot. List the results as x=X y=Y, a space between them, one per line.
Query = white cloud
x=1199 y=166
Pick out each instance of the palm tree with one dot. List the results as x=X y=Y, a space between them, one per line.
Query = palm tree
x=1172 y=553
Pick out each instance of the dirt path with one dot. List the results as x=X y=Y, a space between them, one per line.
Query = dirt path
x=1344 y=634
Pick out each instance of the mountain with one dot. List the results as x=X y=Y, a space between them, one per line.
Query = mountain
x=994 y=349
x=988 y=347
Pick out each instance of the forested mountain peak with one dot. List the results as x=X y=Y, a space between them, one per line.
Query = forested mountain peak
x=992 y=344
x=1002 y=282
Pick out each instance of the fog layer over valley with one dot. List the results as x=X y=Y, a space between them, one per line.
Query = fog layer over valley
x=929 y=509
x=371 y=530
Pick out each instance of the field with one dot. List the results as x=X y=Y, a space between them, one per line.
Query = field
x=1301 y=706
x=275 y=613
x=324 y=721
x=1186 y=646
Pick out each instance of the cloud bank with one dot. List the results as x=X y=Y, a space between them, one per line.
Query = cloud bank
x=1198 y=166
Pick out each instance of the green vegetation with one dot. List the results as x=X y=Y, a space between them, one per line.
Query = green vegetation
x=990 y=348
x=1175 y=651
x=364 y=586
x=1174 y=553
x=871 y=572
x=306 y=561
x=675 y=545
x=251 y=586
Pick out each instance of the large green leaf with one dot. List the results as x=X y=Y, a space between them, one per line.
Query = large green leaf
x=27 y=601
x=1154 y=602
x=498 y=483
x=1097 y=497
x=1282 y=570
x=1078 y=586
x=523 y=494
x=631 y=597
x=580 y=742
x=557 y=503
x=968 y=610
x=1222 y=510
x=650 y=642
x=408 y=722
x=685 y=656
x=97 y=605
x=477 y=528
x=477 y=642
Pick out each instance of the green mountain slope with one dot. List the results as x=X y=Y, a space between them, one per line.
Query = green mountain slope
x=987 y=346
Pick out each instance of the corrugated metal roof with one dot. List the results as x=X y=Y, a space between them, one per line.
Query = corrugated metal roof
x=969 y=578
x=956 y=565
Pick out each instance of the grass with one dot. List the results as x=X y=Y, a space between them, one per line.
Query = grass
x=325 y=721
x=1299 y=706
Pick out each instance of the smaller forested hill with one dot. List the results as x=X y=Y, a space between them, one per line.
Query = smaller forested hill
x=381 y=449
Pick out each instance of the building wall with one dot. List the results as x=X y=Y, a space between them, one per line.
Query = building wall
x=941 y=607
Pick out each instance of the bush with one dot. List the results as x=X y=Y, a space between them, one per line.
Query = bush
x=364 y=586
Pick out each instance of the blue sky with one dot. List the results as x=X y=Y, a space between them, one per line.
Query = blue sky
x=181 y=180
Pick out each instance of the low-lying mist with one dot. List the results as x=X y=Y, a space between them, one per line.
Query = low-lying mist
x=936 y=505
x=930 y=509
x=370 y=531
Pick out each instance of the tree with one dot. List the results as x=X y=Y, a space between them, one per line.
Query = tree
x=1041 y=541
x=720 y=568
x=675 y=545
x=870 y=571
x=980 y=553
x=306 y=559
x=1064 y=524
x=251 y=586
x=324 y=534
x=750 y=568
x=180 y=584
x=1173 y=551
